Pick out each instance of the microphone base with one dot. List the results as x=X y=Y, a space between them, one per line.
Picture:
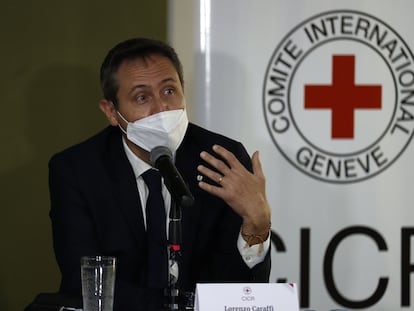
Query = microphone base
x=179 y=301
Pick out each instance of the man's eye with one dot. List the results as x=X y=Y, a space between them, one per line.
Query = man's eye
x=141 y=98
x=169 y=91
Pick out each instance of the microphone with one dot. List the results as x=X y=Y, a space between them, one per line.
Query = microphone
x=162 y=159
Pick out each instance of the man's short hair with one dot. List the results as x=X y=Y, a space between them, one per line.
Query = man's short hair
x=128 y=50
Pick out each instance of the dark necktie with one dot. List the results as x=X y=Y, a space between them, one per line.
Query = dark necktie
x=156 y=231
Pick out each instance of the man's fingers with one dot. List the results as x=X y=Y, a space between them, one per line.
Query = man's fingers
x=217 y=177
x=227 y=155
x=257 y=165
x=213 y=161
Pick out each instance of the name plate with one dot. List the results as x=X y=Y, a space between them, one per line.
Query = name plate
x=246 y=297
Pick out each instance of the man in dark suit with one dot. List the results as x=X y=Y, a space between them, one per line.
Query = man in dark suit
x=98 y=193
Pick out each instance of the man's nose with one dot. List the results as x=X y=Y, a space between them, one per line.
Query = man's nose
x=160 y=105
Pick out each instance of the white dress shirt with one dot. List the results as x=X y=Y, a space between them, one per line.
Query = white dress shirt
x=251 y=255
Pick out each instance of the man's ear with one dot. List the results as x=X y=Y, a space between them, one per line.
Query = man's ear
x=109 y=110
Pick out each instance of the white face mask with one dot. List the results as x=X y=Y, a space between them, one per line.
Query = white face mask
x=166 y=128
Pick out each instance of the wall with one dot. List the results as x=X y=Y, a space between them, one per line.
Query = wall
x=342 y=211
x=50 y=56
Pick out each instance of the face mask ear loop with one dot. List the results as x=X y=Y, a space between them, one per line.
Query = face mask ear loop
x=119 y=125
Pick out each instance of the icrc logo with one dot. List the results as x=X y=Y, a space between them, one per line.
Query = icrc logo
x=339 y=96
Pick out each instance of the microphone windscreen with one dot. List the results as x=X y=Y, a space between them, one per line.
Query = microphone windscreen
x=158 y=152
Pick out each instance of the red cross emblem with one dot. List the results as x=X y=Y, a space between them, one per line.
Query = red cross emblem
x=339 y=105
x=247 y=290
x=343 y=96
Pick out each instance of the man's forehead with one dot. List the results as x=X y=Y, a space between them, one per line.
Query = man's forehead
x=149 y=65
x=148 y=73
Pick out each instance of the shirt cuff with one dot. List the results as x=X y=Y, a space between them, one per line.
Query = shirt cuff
x=254 y=254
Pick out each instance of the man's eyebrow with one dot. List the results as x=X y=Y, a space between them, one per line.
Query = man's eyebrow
x=138 y=86
x=166 y=80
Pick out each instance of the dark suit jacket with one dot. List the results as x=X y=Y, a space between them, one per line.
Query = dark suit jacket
x=95 y=209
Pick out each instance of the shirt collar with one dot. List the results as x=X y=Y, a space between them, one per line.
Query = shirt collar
x=139 y=166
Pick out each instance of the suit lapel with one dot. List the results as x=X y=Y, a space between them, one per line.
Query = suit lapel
x=187 y=160
x=125 y=186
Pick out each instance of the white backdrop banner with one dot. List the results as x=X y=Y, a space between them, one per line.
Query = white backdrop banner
x=325 y=91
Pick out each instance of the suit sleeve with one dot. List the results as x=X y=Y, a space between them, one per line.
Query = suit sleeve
x=72 y=226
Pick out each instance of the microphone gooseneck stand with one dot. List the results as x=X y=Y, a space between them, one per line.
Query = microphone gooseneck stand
x=174 y=256
x=162 y=158
x=174 y=250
